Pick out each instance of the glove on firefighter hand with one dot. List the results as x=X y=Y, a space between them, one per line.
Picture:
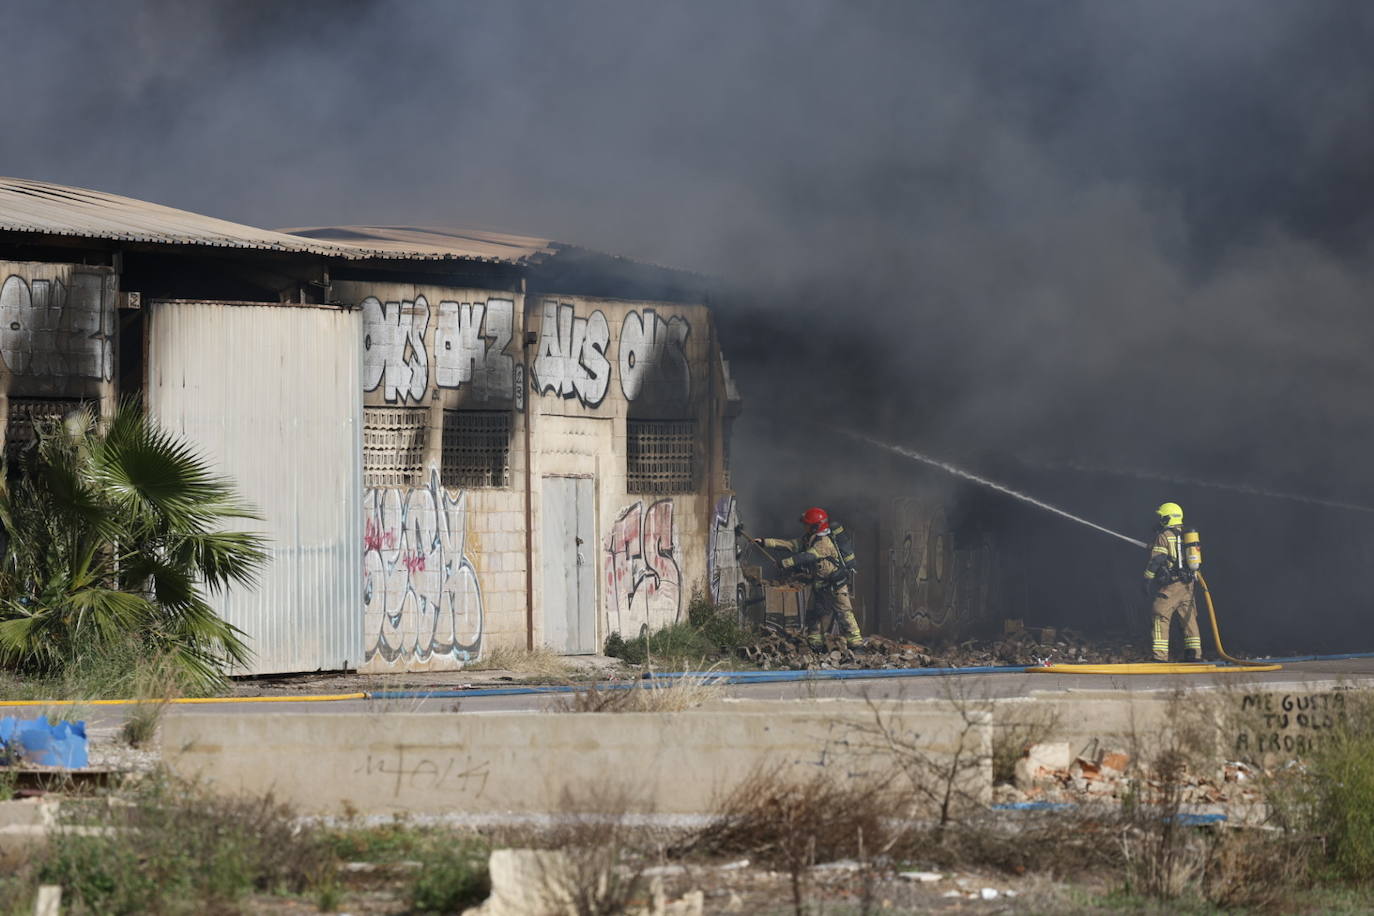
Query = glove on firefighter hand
x=1148 y=588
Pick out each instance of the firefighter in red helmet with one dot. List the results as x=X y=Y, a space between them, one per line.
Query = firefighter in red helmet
x=816 y=557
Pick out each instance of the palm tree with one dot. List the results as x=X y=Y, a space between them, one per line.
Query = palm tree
x=113 y=533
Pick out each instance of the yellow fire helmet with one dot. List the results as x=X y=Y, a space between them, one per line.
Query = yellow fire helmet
x=1170 y=515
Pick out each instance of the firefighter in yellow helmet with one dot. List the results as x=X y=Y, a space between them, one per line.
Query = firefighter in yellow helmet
x=816 y=557
x=1169 y=584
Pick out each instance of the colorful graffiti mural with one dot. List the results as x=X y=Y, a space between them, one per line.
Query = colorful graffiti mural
x=421 y=599
x=643 y=581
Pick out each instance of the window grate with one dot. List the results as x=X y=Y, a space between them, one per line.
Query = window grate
x=661 y=456
x=27 y=413
x=394 y=445
x=476 y=448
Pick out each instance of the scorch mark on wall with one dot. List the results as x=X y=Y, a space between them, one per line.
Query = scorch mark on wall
x=653 y=356
x=470 y=347
x=50 y=329
x=724 y=573
x=421 y=599
x=573 y=359
x=643 y=581
x=572 y=355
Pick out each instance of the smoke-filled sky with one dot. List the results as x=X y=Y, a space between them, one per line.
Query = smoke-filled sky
x=1118 y=234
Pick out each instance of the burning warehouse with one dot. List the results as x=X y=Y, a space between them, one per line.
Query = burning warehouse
x=456 y=440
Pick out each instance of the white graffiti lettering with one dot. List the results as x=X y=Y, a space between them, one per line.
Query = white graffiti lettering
x=470 y=343
x=572 y=358
x=48 y=329
x=653 y=357
x=724 y=573
x=643 y=582
x=421 y=600
x=394 y=354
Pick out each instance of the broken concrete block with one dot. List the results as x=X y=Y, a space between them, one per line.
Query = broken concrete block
x=1039 y=763
x=546 y=881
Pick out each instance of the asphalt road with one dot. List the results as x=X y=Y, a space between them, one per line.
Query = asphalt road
x=975 y=686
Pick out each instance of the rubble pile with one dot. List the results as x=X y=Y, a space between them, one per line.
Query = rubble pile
x=1051 y=773
x=789 y=649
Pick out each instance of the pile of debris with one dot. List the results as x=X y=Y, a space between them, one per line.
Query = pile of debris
x=1051 y=773
x=789 y=649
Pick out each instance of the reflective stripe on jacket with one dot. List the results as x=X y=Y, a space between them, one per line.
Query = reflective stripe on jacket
x=1166 y=556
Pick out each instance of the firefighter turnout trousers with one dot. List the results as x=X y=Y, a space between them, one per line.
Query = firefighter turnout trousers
x=826 y=603
x=1171 y=599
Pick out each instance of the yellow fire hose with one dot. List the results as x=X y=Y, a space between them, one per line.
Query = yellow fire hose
x=1237 y=665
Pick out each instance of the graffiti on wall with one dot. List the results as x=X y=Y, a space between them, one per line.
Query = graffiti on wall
x=471 y=347
x=934 y=585
x=653 y=357
x=394 y=356
x=724 y=573
x=49 y=328
x=572 y=358
x=421 y=599
x=643 y=581
x=470 y=343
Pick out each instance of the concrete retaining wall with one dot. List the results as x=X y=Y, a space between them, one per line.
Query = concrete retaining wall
x=529 y=763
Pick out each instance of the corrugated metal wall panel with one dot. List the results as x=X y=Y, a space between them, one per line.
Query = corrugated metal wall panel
x=273 y=395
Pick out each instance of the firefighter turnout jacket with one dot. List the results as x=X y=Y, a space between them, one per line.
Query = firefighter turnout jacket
x=814 y=556
x=1166 y=558
x=1170 y=585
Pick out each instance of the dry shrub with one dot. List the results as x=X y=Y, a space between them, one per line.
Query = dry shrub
x=593 y=858
x=794 y=823
x=1258 y=869
x=1058 y=844
x=541 y=662
x=682 y=693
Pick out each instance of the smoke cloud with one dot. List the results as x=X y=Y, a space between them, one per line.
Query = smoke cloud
x=1030 y=235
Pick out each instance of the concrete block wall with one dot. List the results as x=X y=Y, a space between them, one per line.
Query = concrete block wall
x=575 y=369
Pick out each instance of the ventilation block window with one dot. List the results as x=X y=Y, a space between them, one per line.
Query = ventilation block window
x=393 y=445
x=662 y=456
x=27 y=413
x=476 y=448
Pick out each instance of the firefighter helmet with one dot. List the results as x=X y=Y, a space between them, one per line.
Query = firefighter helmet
x=1170 y=515
x=815 y=519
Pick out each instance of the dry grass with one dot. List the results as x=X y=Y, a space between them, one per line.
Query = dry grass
x=795 y=823
x=682 y=693
x=541 y=662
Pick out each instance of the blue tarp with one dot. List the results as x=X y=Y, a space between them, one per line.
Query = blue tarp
x=41 y=742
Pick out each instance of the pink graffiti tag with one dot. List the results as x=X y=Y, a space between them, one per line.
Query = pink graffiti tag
x=643 y=582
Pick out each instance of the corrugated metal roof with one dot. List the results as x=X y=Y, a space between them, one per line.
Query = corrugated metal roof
x=407 y=241
x=53 y=209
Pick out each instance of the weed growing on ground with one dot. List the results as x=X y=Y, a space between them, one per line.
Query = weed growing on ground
x=690 y=690
x=541 y=662
x=452 y=875
x=170 y=847
x=708 y=632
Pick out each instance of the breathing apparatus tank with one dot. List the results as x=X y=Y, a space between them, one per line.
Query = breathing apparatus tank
x=1192 y=552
